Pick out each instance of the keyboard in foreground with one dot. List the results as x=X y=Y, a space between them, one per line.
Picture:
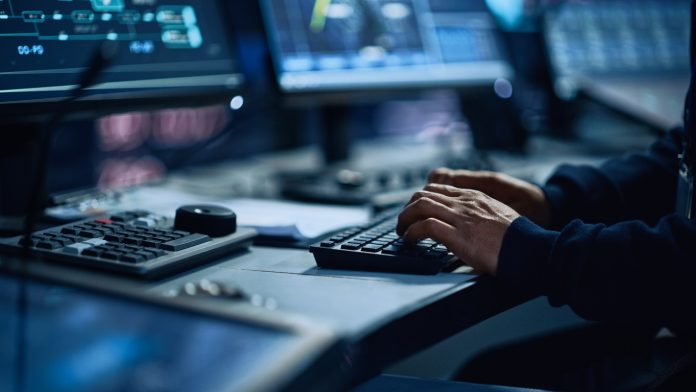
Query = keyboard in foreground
x=136 y=243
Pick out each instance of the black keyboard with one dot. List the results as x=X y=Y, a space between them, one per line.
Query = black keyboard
x=377 y=247
x=136 y=243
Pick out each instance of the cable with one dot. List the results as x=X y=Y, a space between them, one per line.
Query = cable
x=99 y=61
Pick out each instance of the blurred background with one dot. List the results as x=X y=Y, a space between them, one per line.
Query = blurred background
x=589 y=80
x=630 y=56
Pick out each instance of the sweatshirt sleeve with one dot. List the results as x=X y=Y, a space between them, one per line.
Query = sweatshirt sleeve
x=627 y=272
x=637 y=186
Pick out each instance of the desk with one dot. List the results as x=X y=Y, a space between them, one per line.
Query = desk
x=384 y=317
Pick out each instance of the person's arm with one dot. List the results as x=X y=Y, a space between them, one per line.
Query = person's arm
x=628 y=272
x=625 y=272
x=637 y=186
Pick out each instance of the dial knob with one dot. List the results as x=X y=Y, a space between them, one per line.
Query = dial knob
x=215 y=221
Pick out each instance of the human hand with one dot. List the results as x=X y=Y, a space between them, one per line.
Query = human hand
x=469 y=223
x=525 y=198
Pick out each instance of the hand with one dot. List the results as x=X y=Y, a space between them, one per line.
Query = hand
x=469 y=223
x=525 y=198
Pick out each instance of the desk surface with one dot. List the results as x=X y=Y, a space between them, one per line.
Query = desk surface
x=384 y=317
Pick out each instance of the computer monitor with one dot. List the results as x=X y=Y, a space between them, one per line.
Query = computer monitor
x=321 y=46
x=632 y=55
x=61 y=337
x=174 y=53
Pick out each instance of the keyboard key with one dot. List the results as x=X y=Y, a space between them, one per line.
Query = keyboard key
x=144 y=222
x=441 y=248
x=132 y=258
x=327 y=244
x=70 y=231
x=76 y=249
x=185 y=242
x=92 y=252
x=132 y=241
x=96 y=242
x=351 y=246
x=157 y=252
x=114 y=238
x=50 y=245
x=392 y=250
x=150 y=243
x=90 y=234
x=145 y=255
x=64 y=241
x=371 y=248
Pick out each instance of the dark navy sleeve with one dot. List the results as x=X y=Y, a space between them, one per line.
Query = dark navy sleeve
x=627 y=272
x=637 y=186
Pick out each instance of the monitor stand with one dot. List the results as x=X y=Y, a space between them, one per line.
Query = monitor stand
x=335 y=134
x=18 y=164
x=495 y=122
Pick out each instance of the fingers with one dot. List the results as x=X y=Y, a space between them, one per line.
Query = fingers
x=433 y=206
x=450 y=177
x=441 y=175
x=441 y=195
x=487 y=182
x=433 y=228
x=446 y=190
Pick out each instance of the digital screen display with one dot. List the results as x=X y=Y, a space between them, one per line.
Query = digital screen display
x=357 y=44
x=605 y=37
x=45 y=46
x=75 y=340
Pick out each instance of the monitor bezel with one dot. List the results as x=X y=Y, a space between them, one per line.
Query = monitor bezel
x=369 y=93
x=134 y=99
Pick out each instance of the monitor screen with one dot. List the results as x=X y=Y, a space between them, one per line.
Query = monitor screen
x=330 y=45
x=75 y=340
x=163 y=51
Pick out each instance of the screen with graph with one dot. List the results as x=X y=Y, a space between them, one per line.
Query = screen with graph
x=323 y=45
x=160 y=45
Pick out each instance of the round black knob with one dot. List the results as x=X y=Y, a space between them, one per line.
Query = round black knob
x=215 y=221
